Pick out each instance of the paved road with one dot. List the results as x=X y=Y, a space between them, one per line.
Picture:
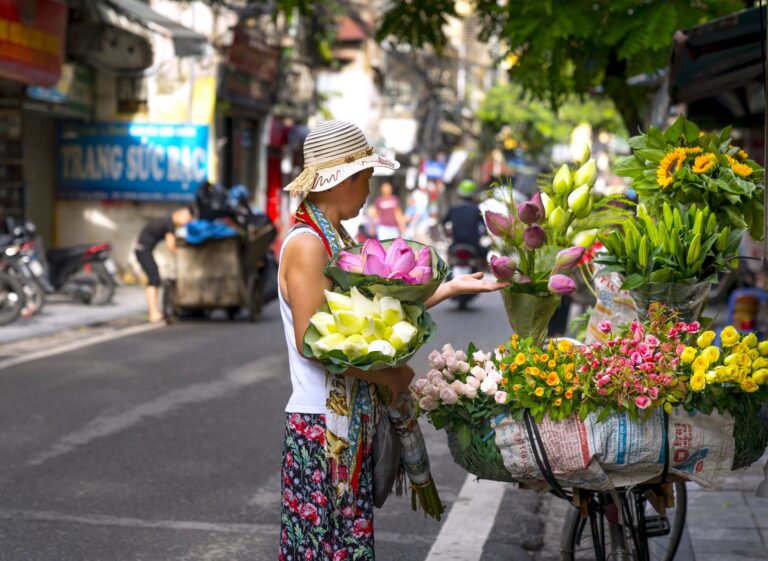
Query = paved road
x=165 y=446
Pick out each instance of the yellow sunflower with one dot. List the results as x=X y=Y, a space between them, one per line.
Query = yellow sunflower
x=704 y=163
x=694 y=150
x=668 y=166
x=740 y=169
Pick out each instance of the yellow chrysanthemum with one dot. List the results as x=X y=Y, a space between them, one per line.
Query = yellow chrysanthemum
x=551 y=363
x=740 y=169
x=520 y=358
x=742 y=154
x=702 y=164
x=539 y=392
x=698 y=381
x=544 y=357
x=553 y=379
x=558 y=402
x=568 y=394
x=564 y=345
x=729 y=336
x=516 y=387
x=671 y=162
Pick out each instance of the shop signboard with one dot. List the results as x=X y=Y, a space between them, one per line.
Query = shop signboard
x=32 y=40
x=131 y=161
x=434 y=169
x=74 y=90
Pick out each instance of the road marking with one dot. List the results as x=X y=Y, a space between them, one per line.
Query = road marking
x=75 y=345
x=251 y=373
x=259 y=530
x=469 y=523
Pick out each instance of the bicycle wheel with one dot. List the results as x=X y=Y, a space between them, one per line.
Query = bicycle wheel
x=600 y=538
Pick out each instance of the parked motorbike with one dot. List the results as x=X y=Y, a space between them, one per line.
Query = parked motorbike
x=85 y=272
x=463 y=260
x=21 y=265
x=12 y=298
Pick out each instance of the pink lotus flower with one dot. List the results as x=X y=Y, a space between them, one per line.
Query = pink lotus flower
x=534 y=237
x=400 y=257
x=498 y=224
x=350 y=262
x=561 y=284
x=568 y=258
x=643 y=401
x=503 y=267
x=375 y=265
x=420 y=275
x=425 y=258
x=374 y=247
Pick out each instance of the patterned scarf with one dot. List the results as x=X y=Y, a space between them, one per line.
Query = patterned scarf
x=351 y=403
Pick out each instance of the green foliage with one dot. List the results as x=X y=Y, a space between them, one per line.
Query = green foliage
x=535 y=124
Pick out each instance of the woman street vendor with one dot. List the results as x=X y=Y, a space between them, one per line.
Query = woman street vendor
x=327 y=471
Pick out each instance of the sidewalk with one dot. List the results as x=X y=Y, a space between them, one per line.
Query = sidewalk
x=62 y=314
x=723 y=525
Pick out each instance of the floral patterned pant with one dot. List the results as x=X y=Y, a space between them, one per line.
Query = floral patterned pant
x=315 y=525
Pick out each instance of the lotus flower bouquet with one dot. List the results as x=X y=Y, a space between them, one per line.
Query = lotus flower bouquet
x=351 y=330
x=401 y=269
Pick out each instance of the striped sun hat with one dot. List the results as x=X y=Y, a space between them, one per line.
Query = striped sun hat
x=333 y=152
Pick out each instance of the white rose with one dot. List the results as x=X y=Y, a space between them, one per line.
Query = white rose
x=478 y=372
x=489 y=387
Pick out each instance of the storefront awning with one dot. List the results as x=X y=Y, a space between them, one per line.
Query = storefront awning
x=186 y=42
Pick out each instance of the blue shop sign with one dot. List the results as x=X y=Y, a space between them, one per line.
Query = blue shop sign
x=131 y=161
x=434 y=169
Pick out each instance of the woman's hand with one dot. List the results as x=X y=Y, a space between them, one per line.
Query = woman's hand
x=474 y=284
x=463 y=284
x=399 y=379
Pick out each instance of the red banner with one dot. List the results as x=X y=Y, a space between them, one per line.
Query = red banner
x=32 y=40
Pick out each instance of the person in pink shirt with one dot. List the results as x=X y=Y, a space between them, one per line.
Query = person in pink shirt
x=386 y=214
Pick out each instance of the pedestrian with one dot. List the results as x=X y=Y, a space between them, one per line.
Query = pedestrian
x=327 y=469
x=387 y=215
x=153 y=233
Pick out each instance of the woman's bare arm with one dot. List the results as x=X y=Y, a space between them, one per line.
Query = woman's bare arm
x=463 y=284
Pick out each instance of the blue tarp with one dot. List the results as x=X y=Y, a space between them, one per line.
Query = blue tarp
x=201 y=231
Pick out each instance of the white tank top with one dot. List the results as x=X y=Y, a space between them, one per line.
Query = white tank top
x=308 y=378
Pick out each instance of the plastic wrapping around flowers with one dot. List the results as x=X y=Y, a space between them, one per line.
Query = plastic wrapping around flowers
x=405 y=270
x=351 y=330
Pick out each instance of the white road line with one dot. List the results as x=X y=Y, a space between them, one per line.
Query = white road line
x=469 y=523
x=259 y=530
x=99 y=427
x=75 y=345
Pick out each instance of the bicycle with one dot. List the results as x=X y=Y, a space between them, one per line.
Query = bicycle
x=640 y=523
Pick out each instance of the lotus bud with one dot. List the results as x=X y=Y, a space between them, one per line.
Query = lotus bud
x=374 y=328
x=586 y=211
x=375 y=266
x=568 y=258
x=558 y=219
x=348 y=322
x=402 y=333
x=391 y=310
x=421 y=275
x=355 y=346
x=561 y=284
x=381 y=346
x=548 y=203
x=323 y=322
x=563 y=181
x=503 y=267
x=360 y=303
x=425 y=258
x=400 y=257
x=579 y=198
x=332 y=342
x=586 y=174
x=338 y=301
x=580 y=152
x=498 y=224
x=350 y=262
x=534 y=237
x=374 y=247
x=585 y=238
x=530 y=213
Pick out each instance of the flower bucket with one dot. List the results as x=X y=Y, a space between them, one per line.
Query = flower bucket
x=529 y=314
x=687 y=299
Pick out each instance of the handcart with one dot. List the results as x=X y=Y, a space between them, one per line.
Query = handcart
x=226 y=274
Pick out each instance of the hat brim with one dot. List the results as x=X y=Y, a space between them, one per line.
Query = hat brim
x=328 y=178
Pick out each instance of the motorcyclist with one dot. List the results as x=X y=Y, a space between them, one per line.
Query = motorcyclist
x=464 y=220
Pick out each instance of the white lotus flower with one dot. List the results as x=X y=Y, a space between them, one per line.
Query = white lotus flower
x=323 y=322
x=348 y=322
x=355 y=346
x=361 y=304
x=381 y=346
x=332 y=342
x=337 y=302
x=402 y=333
x=375 y=328
x=391 y=310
